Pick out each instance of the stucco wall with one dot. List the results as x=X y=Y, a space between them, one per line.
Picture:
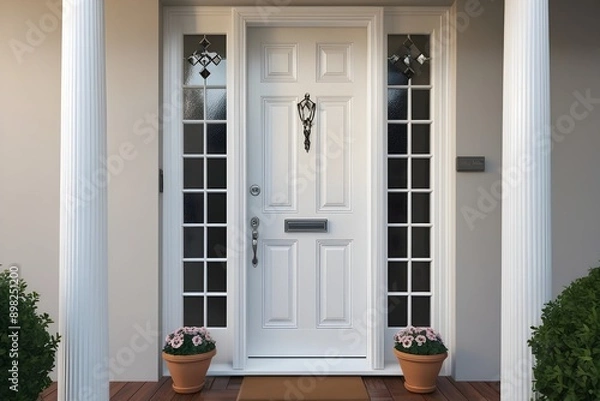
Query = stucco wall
x=30 y=166
x=478 y=218
x=574 y=66
x=575 y=61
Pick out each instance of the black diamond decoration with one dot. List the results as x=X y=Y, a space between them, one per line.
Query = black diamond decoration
x=204 y=42
x=204 y=57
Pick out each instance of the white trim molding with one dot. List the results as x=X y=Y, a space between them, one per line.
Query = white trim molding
x=438 y=22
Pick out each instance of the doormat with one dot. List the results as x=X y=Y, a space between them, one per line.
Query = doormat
x=305 y=388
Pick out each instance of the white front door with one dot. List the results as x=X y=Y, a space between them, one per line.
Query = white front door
x=307 y=292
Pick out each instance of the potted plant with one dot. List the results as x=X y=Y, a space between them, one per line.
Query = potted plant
x=188 y=352
x=421 y=353
x=27 y=349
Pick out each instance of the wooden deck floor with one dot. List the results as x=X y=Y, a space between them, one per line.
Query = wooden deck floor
x=226 y=389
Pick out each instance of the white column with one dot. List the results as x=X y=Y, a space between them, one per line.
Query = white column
x=526 y=246
x=83 y=315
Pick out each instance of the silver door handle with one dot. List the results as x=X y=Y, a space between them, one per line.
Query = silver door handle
x=254 y=222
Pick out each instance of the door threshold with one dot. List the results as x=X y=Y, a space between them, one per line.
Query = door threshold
x=306 y=367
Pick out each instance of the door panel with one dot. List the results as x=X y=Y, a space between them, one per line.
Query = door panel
x=307 y=294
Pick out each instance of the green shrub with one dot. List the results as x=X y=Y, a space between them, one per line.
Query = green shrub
x=27 y=352
x=566 y=345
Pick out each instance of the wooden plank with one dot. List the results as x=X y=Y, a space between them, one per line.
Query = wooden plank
x=148 y=390
x=115 y=387
x=53 y=388
x=468 y=391
x=220 y=383
x=127 y=391
x=376 y=388
x=164 y=392
x=235 y=383
x=208 y=382
x=395 y=386
x=486 y=391
x=215 y=395
x=446 y=387
x=495 y=386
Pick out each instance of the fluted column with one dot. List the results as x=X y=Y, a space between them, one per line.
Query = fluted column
x=526 y=246
x=83 y=315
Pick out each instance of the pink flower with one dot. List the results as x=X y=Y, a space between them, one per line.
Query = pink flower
x=407 y=343
x=177 y=342
x=196 y=340
x=421 y=339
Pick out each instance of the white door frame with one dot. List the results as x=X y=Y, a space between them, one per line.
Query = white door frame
x=371 y=18
x=235 y=22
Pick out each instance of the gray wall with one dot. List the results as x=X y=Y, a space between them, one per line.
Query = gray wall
x=575 y=70
x=478 y=219
x=575 y=62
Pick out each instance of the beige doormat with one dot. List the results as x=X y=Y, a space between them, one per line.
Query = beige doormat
x=305 y=388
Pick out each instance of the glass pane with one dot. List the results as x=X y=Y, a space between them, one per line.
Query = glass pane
x=397 y=277
x=217 y=242
x=193 y=104
x=216 y=104
x=420 y=138
x=193 y=173
x=396 y=49
x=395 y=76
x=420 y=242
x=397 y=242
x=397 y=207
x=218 y=72
x=397 y=173
x=397 y=311
x=216 y=139
x=420 y=276
x=421 y=311
x=217 y=312
x=420 y=173
x=217 y=208
x=217 y=277
x=193 y=277
x=397 y=139
x=193 y=242
x=420 y=104
x=193 y=208
x=217 y=173
x=193 y=311
x=193 y=139
x=420 y=208
x=397 y=104
x=422 y=43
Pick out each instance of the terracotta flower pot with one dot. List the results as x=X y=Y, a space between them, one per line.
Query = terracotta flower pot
x=420 y=371
x=188 y=372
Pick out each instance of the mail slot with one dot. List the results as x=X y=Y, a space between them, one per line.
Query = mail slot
x=306 y=225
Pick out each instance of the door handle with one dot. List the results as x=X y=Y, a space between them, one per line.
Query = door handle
x=254 y=222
